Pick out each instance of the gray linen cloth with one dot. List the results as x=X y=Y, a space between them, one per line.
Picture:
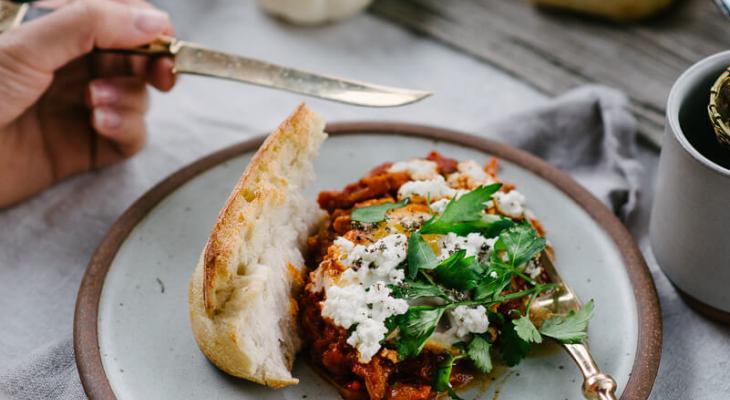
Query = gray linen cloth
x=587 y=132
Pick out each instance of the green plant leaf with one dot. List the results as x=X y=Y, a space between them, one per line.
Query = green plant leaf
x=511 y=347
x=376 y=213
x=572 y=328
x=478 y=353
x=420 y=255
x=412 y=290
x=443 y=374
x=490 y=286
x=459 y=272
x=416 y=327
x=520 y=243
x=526 y=330
x=465 y=214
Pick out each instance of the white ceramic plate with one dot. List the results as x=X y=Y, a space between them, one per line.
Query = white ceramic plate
x=132 y=334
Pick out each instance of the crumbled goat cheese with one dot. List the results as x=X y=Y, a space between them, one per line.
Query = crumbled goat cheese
x=368 y=309
x=418 y=169
x=366 y=339
x=439 y=206
x=432 y=189
x=533 y=269
x=474 y=171
x=474 y=244
x=345 y=305
x=376 y=262
x=466 y=320
x=511 y=204
x=493 y=275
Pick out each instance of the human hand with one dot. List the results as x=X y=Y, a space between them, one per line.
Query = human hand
x=65 y=109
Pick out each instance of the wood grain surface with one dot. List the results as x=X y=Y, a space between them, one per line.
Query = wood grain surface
x=555 y=52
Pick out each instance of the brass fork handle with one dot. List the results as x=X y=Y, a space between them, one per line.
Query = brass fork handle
x=596 y=384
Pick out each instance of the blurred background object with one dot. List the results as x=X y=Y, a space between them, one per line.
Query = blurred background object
x=555 y=52
x=313 y=12
x=619 y=10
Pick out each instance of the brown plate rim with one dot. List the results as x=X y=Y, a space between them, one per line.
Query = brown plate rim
x=648 y=353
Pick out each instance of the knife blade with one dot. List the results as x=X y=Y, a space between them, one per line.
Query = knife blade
x=192 y=58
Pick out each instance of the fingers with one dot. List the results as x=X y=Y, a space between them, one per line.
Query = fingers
x=124 y=128
x=117 y=114
x=160 y=75
x=75 y=29
x=120 y=92
x=155 y=71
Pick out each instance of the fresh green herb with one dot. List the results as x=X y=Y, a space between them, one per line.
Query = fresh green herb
x=511 y=347
x=572 y=328
x=376 y=213
x=526 y=330
x=443 y=373
x=464 y=213
x=492 y=285
x=478 y=353
x=420 y=255
x=520 y=243
x=459 y=272
x=412 y=290
x=416 y=327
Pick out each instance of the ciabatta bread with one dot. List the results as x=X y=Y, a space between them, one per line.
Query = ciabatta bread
x=242 y=306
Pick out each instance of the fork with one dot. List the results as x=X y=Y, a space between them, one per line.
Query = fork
x=596 y=384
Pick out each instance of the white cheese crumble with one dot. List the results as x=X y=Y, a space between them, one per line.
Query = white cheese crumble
x=366 y=339
x=474 y=244
x=533 y=269
x=432 y=189
x=511 y=204
x=474 y=171
x=368 y=309
x=376 y=262
x=439 y=206
x=418 y=169
x=467 y=320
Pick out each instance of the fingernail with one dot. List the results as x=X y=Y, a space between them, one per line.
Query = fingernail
x=103 y=93
x=150 y=21
x=107 y=118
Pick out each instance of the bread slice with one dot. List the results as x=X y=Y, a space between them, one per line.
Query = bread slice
x=242 y=308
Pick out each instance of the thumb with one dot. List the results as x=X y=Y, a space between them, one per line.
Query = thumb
x=50 y=42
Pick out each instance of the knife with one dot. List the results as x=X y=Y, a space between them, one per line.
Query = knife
x=192 y=58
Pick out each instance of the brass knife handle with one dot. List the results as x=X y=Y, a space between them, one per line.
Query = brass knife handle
x=596 y=384
x=162 y=46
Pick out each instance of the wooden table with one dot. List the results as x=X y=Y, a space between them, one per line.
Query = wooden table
x=555 y=52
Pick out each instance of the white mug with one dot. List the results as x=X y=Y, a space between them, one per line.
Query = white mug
x=690 y=221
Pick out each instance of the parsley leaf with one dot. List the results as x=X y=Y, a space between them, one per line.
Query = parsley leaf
x=464 y=214
x=572 y=328
x=520 y=243
x=414 y=290
x=526 y=330
x=459 y=272
x=490 y=287
x=416 y=327
x=420 y=255
x=443 y=373
x=511 y=347
x=376 y=213
x=478 y=353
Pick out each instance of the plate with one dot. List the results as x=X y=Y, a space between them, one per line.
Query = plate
x=132 y=335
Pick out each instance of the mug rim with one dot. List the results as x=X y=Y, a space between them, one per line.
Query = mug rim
x=679 y=92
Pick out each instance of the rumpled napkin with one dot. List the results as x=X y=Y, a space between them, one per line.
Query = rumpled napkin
x=588 y=132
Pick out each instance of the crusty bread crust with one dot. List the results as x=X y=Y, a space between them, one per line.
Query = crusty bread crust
x=242 y=311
